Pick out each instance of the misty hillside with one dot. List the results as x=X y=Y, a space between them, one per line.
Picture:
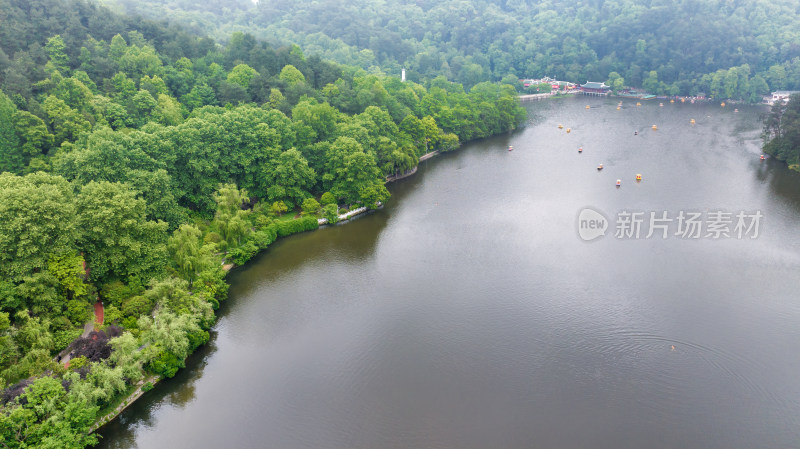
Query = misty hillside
x=476 y=40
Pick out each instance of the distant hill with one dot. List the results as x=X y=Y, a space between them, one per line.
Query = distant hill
x=685 y=42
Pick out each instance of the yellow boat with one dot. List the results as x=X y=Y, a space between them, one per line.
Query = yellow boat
x=692 y=121
x=654 y=127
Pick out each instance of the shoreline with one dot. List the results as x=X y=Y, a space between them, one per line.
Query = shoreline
x=126 y=401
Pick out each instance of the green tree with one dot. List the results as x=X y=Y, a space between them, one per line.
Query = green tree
x=37 y=218
x=241 y=75
x=310 y=206
x=67 y=267
x=351 y=172
x=12 y=158
x=118 y=240
x=56 y=52
x=288 y=178
x=291 y=76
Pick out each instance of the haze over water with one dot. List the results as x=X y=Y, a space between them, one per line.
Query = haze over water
x=468 y=313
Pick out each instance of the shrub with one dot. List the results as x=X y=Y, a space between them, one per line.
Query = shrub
x=262 y=221
x=165 y=364
x=330 y=212
x=263 y=238
x=243 y=253
x=327 y=198
x=343 y=211
x=197 y=338
x=116 y=292
x=147 y=387
x=63 y=338
x=112 y=314
x=137 y=306
x=310 y=206
x=286 y=228
x=78 y=363
x=212 y=237
x=130 y=322
x=278 y=208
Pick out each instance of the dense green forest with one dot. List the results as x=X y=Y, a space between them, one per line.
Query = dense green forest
x=726 y=49
x=782 y=132
x=137 y=158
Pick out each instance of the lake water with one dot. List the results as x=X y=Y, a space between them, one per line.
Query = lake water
x=468 y=313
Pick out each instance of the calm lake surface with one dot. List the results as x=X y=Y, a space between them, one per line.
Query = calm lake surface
x=468 y=313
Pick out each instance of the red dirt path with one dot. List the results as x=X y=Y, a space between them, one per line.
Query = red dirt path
x=98 y=313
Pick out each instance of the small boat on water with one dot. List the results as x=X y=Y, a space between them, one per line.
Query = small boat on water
x=654 y=127
x=599 y=167
x=510 y=148
x=691 y=121
x=762 y=157
x=638 y=177
x=560 y=126
x=580 y=149
x=619 y=182
x=569 y=130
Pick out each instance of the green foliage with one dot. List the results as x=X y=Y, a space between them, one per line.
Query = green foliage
x=63 y=338
x=241 y=75
x=330 y=212
x=37 y=218
x=77 y=311
x=327 y=198
x=263 y=238
x=782 y=131
x=115 y=293
x=68 y=268
x=78 y=363
x=310 y=206
x=278 y=208
x=122 y=143
x=240 y=255
x=289 y=227
x=289 y=178
x=49 y=418
x=165 y=364
x=136 y=306
x=117 y=239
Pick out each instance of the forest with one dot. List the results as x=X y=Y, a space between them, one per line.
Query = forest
x=782 y=132
x=737 y=50
x=139 y=160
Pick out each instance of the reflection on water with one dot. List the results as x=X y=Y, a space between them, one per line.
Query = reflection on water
x=468 y=313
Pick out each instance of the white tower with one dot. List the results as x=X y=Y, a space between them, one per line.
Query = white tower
x=403 y=75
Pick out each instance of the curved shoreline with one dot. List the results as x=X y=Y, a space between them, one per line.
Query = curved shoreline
x=126 y=401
